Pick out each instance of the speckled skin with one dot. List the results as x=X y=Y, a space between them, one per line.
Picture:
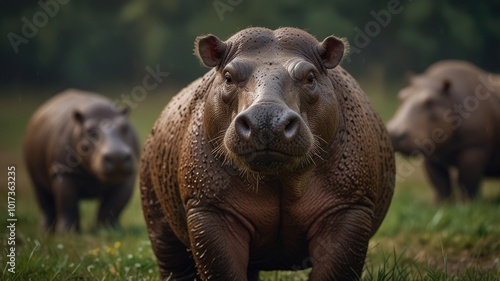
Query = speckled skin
x=223 y=175
x=450 y=114
x=78 y=146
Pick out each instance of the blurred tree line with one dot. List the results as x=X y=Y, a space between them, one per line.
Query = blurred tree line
x=88 y=44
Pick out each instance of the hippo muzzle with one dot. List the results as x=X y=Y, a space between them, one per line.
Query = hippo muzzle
x=268 y=137
x=112 y=159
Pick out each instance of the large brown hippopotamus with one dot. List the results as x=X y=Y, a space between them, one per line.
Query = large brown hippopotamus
x=451 y=115
x=79 y=145
x=273 y=160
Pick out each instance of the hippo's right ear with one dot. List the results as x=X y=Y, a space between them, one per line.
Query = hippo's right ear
x=331 y=51
x=410 y=74
x=446 y=85
x=209 y=49
x=78 y=116
x=124 y=110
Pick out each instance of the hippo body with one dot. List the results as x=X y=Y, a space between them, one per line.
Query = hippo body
x=78 y=145
x=273 y=160
x=450 y=114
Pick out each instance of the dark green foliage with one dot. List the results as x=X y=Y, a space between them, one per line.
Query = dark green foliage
x=89 y=44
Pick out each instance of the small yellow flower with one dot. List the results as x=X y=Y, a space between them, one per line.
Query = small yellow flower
x=111 y=251
x=94 y=252
x=117 y=244
x=113 y=271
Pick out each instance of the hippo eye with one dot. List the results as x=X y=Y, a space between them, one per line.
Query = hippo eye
x=311 y=77
x=94 y=134
x=429 y=103
x=123 y=130
x=85 y=147
x=228 y=78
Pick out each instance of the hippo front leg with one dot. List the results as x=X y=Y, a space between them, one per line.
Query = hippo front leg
x=439 y=176
x=112 y=204
x=471 y=166
x=46 y=201
x=66 y=200
x=219 y=244
x=339 y=244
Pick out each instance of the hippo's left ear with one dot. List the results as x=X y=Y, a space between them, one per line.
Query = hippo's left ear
x=331 y=51
x=78 y=116
x=446 y=85
x=209 y=49
x=124 y=110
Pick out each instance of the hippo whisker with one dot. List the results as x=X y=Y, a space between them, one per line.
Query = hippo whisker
x=315 y=151
x=251 y=177
x=218 y=151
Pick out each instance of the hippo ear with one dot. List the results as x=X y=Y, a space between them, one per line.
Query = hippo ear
x=410 y=74
x=331 y=51
x=124 y=110
x=209 y=49
x=78 y=116
x=446 y=86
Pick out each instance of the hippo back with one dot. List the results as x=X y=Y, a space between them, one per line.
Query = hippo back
x=373 y=155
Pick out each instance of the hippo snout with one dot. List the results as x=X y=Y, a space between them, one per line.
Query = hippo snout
x=264 y=125
x=118 y=162
x=269 y=137
x=397 y=139
x=400 y=141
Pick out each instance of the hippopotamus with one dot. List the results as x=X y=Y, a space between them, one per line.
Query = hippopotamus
x=273 y=160
x=79 y=145
x=450 y=114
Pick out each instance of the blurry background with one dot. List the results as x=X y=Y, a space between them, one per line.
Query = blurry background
x=95 y=44
x=111 y=46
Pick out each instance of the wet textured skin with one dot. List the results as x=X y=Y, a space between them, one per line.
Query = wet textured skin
x=273 y=160
x=78 y=145
x=451 y=115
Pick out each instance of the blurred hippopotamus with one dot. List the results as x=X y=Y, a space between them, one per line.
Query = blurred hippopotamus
x=79 y=145
x=451 y=115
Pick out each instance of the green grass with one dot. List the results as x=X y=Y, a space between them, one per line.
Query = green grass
x=418 y=240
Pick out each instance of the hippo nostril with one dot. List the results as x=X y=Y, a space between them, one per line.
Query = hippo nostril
x=127 y=158
x=117 y=161
x=243 y=127
x=127 y=161
x=398 y=139
x=291 y=128
x=108 y=163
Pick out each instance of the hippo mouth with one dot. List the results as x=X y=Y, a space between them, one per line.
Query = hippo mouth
x=267 y=161
x=116 y=176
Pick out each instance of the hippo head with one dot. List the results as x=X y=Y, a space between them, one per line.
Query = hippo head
x=271 y=107
x=105 y=142
x=420 y=124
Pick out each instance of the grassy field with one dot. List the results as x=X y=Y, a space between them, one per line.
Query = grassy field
x=418 y=240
